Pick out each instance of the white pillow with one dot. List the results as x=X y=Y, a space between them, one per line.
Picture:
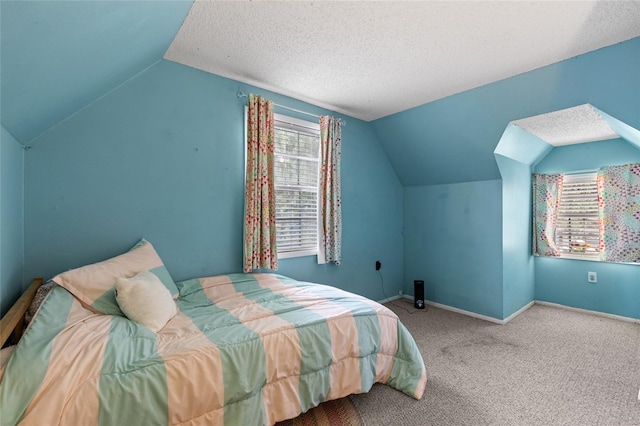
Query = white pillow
x=144 y=299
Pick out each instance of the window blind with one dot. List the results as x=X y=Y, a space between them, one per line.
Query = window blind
x=577 y=230
x=296 y=184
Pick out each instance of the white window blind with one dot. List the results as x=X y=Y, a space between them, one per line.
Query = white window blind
x=577 y=232
x=296 y=183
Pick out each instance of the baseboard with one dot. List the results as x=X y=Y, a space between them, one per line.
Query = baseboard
x=473 y=314
x=463 y=312
x=519 y=311
x=389 y=299
x=458 y=310
x=587 y=311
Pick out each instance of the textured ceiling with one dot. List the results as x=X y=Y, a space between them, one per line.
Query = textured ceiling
x=372 y=59
x=569 y=126
x=363 y=59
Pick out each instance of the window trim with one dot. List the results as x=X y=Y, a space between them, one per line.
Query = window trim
x=314 y=128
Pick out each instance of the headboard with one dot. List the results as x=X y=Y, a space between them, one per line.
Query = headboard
x=12 y=324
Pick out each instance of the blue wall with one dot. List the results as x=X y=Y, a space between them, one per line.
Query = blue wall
x=453 y=139
x=58 y=56
x=515 y=153
x=588 y=156
x=518 y=275
x=564 y=281
x=453 y=241
x=11 y=219
x=162 y=157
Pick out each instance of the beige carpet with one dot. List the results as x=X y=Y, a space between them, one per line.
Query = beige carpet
x=548 y=366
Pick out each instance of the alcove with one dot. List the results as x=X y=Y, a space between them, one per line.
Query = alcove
x=522 y=146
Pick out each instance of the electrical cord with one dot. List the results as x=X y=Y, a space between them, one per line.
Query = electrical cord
x=392 y=302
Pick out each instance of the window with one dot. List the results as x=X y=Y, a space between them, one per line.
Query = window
x=296 y=184
x=577 y=230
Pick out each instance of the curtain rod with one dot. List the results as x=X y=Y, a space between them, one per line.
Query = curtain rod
x=241 y=94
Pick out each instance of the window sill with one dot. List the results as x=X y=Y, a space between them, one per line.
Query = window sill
x=595 y=258
x=292 y=254
x=588 y=259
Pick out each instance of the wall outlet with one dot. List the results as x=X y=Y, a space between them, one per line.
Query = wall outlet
x=378 y=265
x=592 y=277
x=400 y=293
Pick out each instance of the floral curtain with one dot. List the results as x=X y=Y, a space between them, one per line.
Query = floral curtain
x=547 y=190
x=619 y=213
x=329 y=213
x=260 y=197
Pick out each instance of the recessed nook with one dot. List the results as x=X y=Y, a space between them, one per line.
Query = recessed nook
x=523 y=147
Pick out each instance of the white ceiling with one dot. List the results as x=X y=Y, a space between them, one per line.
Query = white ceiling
x=569 y=126
x=372 y=59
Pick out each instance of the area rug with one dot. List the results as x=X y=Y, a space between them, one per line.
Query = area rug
x=331 y=413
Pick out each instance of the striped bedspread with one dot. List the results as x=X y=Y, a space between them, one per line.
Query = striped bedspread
x=244 y=349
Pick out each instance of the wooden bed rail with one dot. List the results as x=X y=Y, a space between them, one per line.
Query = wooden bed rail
x=13 y=321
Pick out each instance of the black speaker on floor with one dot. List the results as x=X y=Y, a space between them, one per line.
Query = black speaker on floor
x=418 y=294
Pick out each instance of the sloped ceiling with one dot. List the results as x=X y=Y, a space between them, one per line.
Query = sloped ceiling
x=452 y=139
x=364 y=59
x=58 y=56
x=530 y=139
x=371 y=59
x=569 y=126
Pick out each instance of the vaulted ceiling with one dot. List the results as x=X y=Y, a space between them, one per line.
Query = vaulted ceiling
x=59 y=56
x=363 y=59
x=583 y=122
x=371 y=59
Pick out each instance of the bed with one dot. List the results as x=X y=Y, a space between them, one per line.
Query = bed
x=242 y=349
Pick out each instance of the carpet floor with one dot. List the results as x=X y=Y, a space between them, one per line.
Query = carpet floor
x=549 y=366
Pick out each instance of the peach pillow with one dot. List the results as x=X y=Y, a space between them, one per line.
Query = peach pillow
x=93 y=284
